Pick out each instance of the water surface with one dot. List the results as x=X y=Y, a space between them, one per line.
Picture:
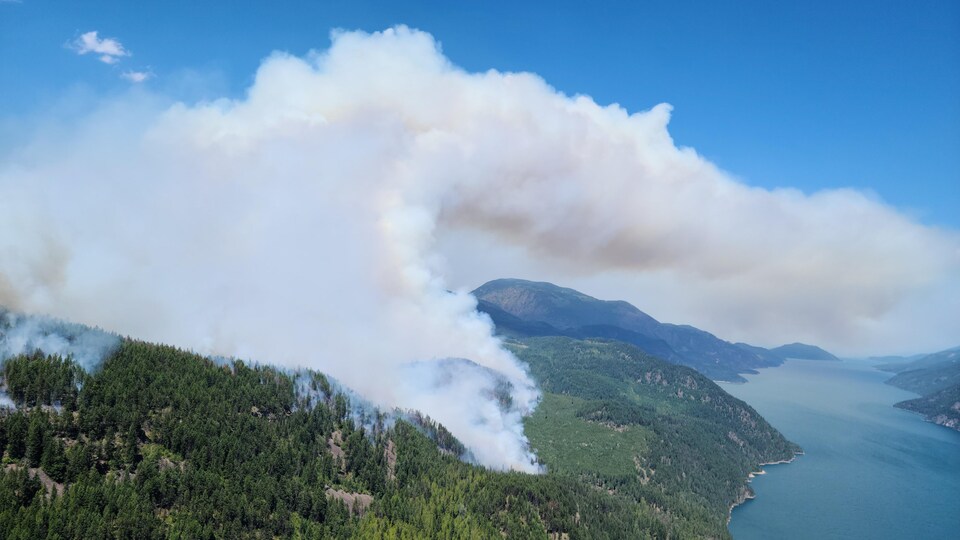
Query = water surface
x=870 y=470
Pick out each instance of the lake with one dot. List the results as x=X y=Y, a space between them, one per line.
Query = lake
x=869 y=470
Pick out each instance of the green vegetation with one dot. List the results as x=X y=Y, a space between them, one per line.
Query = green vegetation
x=937 y=378
x=940 y=407
x=167 y=444
x=928 y=380
x=930 y=373
x=569 y=444
x=522 y=309
x=37 y=379
x=652 y=431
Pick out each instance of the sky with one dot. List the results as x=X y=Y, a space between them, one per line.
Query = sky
x=809 y=95
x=805 y=101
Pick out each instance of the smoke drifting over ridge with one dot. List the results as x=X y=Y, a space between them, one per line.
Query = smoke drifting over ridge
x=23 y=334
x=298 y=225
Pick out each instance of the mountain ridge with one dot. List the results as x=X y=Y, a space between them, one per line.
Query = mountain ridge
x=919 y=361
x=803 y=351
x=936 y=377
x=182 y=445
x=522 y=308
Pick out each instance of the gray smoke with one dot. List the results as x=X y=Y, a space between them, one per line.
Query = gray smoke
x=25 y=334
x=299 y=224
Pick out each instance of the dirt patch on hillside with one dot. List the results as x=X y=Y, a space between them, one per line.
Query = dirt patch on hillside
x=391 y=454
x=356 y=502
x=48 y=484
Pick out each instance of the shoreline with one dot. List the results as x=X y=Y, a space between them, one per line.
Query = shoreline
x=747 y=493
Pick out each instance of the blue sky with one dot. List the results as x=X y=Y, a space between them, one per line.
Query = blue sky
x=498 y=175
x=801 y=94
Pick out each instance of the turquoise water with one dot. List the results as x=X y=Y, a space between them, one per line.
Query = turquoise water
x=870 y=470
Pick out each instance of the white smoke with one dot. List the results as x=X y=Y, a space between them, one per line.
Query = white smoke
x=24 y=334
x=298 y=224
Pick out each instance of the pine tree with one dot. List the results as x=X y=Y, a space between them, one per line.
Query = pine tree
x=17 y=427
x=3 y=436
x=79 y=461
x=131 y=452
x=35 y=438
x=54 y=460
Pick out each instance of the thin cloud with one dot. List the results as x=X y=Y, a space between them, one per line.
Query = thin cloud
x=137 y=76
x=109 y=49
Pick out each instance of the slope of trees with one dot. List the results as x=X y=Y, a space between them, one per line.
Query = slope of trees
x=38 y=379
x=166 y=444
x=940 y=407
x=937 y=378
x=666 y=434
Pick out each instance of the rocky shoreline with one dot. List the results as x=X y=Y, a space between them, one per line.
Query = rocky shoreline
x=747 y=493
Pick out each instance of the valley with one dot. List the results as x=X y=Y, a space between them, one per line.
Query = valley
x=149 y=440
x=870 y=470
x=630 y=445
x=501 y=270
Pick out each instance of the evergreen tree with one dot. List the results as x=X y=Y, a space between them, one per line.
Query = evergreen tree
x=35 y=438
x=3 y=434
x=17 y=428
x=54 y=460
x=79 y=461
x=131 y=452
x=239 y=451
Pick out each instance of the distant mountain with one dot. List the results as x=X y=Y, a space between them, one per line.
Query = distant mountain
x=920 y=361
x=929 y=374
x=512 y=326
x=894 y=363
x=561 y=307
x=763 y=355
x=802 y=351
x=927 y=380
x=937 y=378
x=521 y=308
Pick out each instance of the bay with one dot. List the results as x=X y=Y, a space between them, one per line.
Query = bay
x=869 y=470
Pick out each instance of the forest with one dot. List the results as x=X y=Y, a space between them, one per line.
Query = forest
x=162 y=443
x=644 y=428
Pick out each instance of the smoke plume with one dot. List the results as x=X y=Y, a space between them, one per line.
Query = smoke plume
x=298 y=224
x=23 y=334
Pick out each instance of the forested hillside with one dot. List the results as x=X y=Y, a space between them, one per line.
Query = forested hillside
x=937 y=378
x=636 y=425
x=940 y=407
x=928 y=374
x=161 y=443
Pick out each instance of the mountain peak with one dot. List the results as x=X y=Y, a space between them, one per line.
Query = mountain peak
x=561 y=307
x=521 y=308
x=803 y=351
